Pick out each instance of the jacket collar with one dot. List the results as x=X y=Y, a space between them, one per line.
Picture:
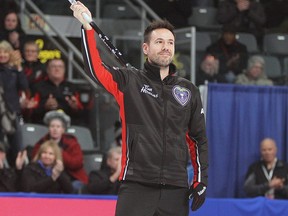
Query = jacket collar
x=153 y=71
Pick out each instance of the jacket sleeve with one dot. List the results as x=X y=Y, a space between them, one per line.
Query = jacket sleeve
x=22 y=82
x=257 y=14
x=72 y=153
x=65 y=183
x=113 y=80
x=197 y=140
x=250 y=187
x=31 y=184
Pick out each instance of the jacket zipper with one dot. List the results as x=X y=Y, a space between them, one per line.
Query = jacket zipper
x=162 y=180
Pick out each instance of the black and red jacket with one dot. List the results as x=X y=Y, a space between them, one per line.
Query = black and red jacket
x=160 y=119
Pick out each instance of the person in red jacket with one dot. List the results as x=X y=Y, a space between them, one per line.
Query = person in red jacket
x=57 y=122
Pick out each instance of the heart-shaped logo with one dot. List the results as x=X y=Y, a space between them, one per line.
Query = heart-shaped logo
x=181 y=94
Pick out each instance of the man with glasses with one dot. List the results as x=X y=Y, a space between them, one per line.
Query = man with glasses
x=34 y=70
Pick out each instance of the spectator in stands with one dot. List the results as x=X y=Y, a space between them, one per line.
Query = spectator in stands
x=209 y=71
x=12 y=81
x=46 y=173
x=105 y=181
x=56 y=93
x=245 y=15
x=5 y=7
x=277 y=15
x=175 y=11
x=10 y=177
x=34 y=70
x=269 y=176
x=12 y=31
x=58 y=122
x=231 y=54
x=255 y=73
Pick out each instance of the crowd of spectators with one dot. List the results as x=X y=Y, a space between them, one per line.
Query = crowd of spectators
x=34 y=91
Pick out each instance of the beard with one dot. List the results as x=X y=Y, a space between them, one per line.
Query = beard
x=161 y=61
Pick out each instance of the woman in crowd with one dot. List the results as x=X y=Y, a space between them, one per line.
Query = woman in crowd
x=46 y=173
x=255 y=73
x=58 y=122
x=12 y=81
x=12 y=30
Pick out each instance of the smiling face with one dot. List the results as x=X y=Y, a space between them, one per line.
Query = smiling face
x=160 y=48
x=4 y=56
x=48 y=157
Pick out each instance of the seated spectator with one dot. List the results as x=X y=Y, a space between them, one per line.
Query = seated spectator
x=9 y=177
x=254 y=75
x=209 y=71
x=12 y=31
x=5 y=7
x=105 y=181
x=245 y=15
x=269 y=176
x=58 y=122
x=46 y=173
x=12 y=81
x=34 y=70
x=231 y=54
x=56 y=93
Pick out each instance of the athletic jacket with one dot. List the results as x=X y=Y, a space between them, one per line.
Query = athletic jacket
x=159 y=120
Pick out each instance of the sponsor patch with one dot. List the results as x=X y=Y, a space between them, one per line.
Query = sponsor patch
x=182 y=95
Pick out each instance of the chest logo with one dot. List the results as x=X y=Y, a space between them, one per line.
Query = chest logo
x=146 y=89
x=182 y=95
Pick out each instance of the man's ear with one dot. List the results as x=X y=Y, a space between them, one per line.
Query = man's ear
x=145 y=48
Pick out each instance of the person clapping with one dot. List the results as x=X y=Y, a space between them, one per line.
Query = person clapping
x=46 y=173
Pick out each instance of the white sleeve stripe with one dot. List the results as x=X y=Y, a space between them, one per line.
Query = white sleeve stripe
x=87 y=53
x=127 y=156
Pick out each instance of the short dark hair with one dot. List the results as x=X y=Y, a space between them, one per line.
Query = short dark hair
x=157 y=24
